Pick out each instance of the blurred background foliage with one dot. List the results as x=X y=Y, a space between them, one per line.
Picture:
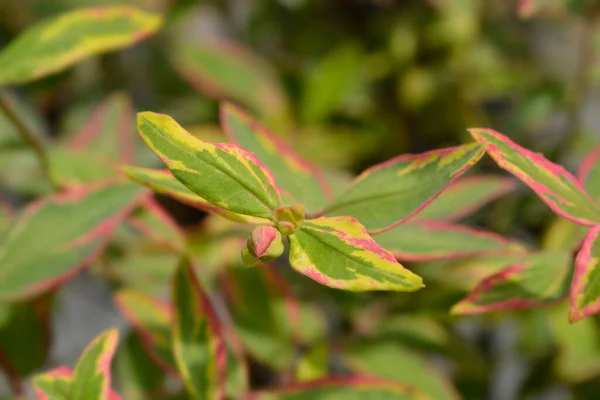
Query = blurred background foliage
x=350 y=83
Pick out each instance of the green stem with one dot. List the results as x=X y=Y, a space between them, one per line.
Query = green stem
x=26 y=133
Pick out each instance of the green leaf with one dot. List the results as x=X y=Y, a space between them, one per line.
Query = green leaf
x=151 y=319
x=338 y=252
x=226 y=70
x=303 y=181
x=537 y=279
x=79 y=168
x=36 y=256
x=198 y=347
x=466 y=196
x=557 y=187
x=589 y=173
x=409 y=368
x=163 y=182
x=347 y=388
x=157 y=226
x=433 y=240
x=62 y=41
x=585 y=293
x=314 y=364
x=387 y=194
x=91 y=377
x=225 y=175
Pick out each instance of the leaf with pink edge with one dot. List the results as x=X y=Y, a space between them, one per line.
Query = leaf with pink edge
x=374 y=358
x=338 y=252
x=433 y=240
x=225 y=175
x=589 y=173
x=466 y=196
x=151 y=319
x=36 y=256
x=538 y=279
x=155 y=223
x=585 y=293
x=109 y=131
x=347 y=388
x=163 y=182
x=390 y=193
x=197 y=341
x=227 y=71
x=302 y=180
x=556 y=186
x=59 y=42
x=90 y=380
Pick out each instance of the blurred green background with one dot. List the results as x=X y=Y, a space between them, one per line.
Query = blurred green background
x=352 y=83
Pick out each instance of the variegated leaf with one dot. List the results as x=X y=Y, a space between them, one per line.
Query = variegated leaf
x=585 y=291
x=36 y=256
x=197 y=341
x=338 y=252
x=589 y=173
x=387 y=194
x=432 y=240
x=59 y=42
x=302 y=180
x=536 y=280
x=162 y=181
x=225 y=175
x=556 y=186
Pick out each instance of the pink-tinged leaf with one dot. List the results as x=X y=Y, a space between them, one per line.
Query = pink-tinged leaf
x=151 y=319
x=466 y=196
x=528 y=8
x=302 y=180
x=227 y=71
x=556 y=186
x=59 y=42
x=347 y=388
x=197 y=340
x=110 y=131
x=153 y=221
x=433 y=240
x=589 y=173
x=163 y=182
x=338 y=252
x=539 y=279
x=390 y=193
x=410 y=368
x=585 y=290
x=36 y=256
x=75 y=169
x=6 y=214
x=90 y=380
x=225 y=175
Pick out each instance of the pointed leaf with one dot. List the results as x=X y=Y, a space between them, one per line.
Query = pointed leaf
x=110 y=130
x=158 y=226
x=338 y=252
x=347 y=388
x=589 y=173
x=387 y=194
x=539 y=279
x=432 y=240
x=228 y=71
x=151 y=319
x=36 y=256
x=198 y=347
x=557 y=187
x=303 y=181
x=410 y=369
x=163 y=182
x=466 y=196
x=90 y=379
x=585 y=291
x=59 y=42
x=72 y=169
x=225 y=175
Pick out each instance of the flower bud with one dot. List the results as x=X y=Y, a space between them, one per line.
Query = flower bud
x=288 y=219
x=264 y=244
